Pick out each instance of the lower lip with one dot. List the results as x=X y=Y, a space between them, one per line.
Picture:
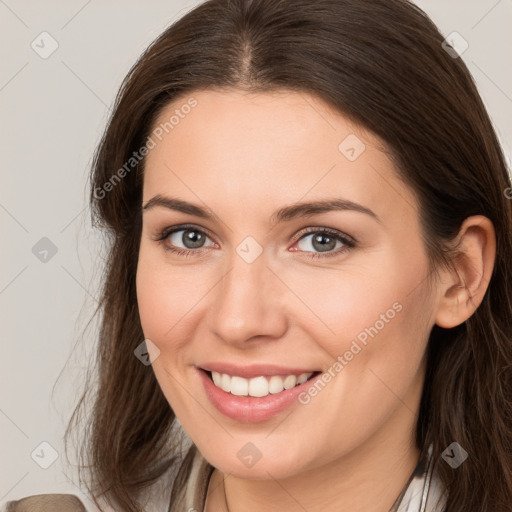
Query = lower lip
x=249 y=409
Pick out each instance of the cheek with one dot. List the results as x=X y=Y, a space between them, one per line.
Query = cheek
x=169 y=300
x=372 y=318
x=342 y=304
x=155 y=296
x=381 y=330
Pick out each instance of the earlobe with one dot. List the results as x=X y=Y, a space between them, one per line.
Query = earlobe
x=464 y=287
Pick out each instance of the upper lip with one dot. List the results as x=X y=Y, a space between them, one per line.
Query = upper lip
x=254 y=370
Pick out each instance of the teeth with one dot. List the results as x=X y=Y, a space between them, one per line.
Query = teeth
x=257 y=386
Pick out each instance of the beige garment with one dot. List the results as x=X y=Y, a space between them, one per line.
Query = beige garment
x=46 y=503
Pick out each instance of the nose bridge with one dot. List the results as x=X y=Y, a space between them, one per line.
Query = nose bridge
x=246 y=303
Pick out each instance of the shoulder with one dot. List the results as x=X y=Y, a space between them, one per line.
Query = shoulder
x=45 y=503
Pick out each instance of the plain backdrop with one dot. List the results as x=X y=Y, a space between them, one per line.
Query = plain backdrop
x=53 y=111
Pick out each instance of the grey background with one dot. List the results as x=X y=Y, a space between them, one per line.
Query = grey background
x=53 y=112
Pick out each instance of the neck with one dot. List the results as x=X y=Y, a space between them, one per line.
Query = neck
x=368 y=479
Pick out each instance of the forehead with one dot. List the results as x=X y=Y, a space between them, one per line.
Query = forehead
x=268 y=147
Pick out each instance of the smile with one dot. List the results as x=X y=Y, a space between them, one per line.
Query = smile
x=271 y=396
x=258 y=386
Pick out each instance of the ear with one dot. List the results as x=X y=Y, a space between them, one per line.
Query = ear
x=462 y=288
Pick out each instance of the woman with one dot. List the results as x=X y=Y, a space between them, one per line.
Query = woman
x=309 y=274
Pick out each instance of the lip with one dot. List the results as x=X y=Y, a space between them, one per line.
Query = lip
x=248 y=409
x=254 y=370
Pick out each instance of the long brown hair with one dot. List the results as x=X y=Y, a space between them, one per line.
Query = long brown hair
x=382 y=64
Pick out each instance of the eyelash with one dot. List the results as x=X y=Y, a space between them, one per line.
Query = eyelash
x=348 y=241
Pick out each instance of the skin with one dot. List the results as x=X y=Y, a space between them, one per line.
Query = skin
x=244 y=156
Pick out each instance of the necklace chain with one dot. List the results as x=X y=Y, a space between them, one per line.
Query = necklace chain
x=225 y=497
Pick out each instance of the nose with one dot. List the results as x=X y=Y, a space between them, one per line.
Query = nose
x=248 y=303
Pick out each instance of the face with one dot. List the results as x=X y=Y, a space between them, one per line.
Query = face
x=338 y=290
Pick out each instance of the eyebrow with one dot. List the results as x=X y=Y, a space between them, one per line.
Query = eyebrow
x=285 y=214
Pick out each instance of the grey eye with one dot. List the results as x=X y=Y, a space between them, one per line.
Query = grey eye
x=189 y=238
x=319 y=241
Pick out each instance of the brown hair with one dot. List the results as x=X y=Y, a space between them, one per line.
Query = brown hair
x=381 y=63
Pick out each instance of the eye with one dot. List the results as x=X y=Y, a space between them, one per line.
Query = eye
x=184 y=240
x=187 y=240
x=326 y=242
